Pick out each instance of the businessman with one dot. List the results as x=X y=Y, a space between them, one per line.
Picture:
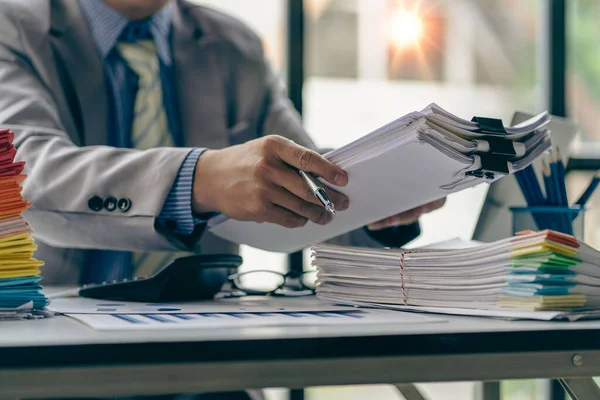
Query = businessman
x=141 y=119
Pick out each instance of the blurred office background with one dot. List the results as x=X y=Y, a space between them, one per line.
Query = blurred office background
x=353 y=65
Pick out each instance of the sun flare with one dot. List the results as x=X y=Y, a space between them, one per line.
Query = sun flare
x=406 y=29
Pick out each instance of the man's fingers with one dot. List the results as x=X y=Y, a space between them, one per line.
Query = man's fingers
x=339 y=200
x=407 y=217
x=316 y=213
x=384 y=223
x=309 y=161
x=293 y=183
x=434 y=205
x=281 y=216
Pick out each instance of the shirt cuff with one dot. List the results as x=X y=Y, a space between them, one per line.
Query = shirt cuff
x=176 y=214
x=396 y=236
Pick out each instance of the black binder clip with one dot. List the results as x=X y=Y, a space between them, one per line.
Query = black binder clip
x=495 y=134
x=491 y=164
x=502 y=147
x=501 y=152
x=491 y=126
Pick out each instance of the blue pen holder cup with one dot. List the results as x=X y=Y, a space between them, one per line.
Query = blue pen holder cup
x=567 y=220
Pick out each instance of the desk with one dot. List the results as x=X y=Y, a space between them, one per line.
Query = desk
x=59 y=357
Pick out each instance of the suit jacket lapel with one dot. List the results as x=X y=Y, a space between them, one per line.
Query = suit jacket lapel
x=77 y=51
x=201 y=82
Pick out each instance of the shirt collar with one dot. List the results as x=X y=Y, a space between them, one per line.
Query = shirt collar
x=106 y=25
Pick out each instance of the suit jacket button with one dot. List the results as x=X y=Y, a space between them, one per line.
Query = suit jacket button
x=95 y=203
x=110 y=203
x=124 y=204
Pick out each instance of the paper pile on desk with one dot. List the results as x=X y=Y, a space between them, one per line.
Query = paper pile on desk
x=534 y=271
x=20 y=293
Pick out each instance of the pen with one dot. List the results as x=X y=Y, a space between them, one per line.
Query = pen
x=318 y=191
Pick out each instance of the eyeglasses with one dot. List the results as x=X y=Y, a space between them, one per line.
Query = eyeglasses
x=270 y=283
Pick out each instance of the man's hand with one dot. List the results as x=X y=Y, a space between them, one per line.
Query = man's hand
x=407 y=217
x=258 y=181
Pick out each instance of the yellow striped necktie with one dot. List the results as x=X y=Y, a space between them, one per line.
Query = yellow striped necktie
x=150 y=127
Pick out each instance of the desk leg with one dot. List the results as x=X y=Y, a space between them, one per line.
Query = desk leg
x=556 y=390
x=297 y=394
x=409 y=391
x=581 y=389
x=487 y=391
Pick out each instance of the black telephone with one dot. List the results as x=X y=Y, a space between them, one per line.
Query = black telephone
x=198 y=277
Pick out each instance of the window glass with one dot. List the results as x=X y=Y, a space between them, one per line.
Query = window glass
x=583 y=97
x=584 y=66
x=369 y=62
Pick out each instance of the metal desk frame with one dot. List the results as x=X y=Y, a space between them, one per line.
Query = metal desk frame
x=59 y=357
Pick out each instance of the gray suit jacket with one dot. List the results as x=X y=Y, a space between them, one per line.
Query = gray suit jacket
x=52 y=94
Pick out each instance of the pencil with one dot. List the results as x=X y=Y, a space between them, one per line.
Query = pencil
x=534 y=185
x=534 y=197
x=567 y=217
x=554 y=176
x=521 y=180
x=563 y=221
x=561 y=179
x=550 y=192
x=587 y=194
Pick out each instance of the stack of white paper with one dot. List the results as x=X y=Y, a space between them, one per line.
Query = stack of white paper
x=420 y=157
x=534 y=271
